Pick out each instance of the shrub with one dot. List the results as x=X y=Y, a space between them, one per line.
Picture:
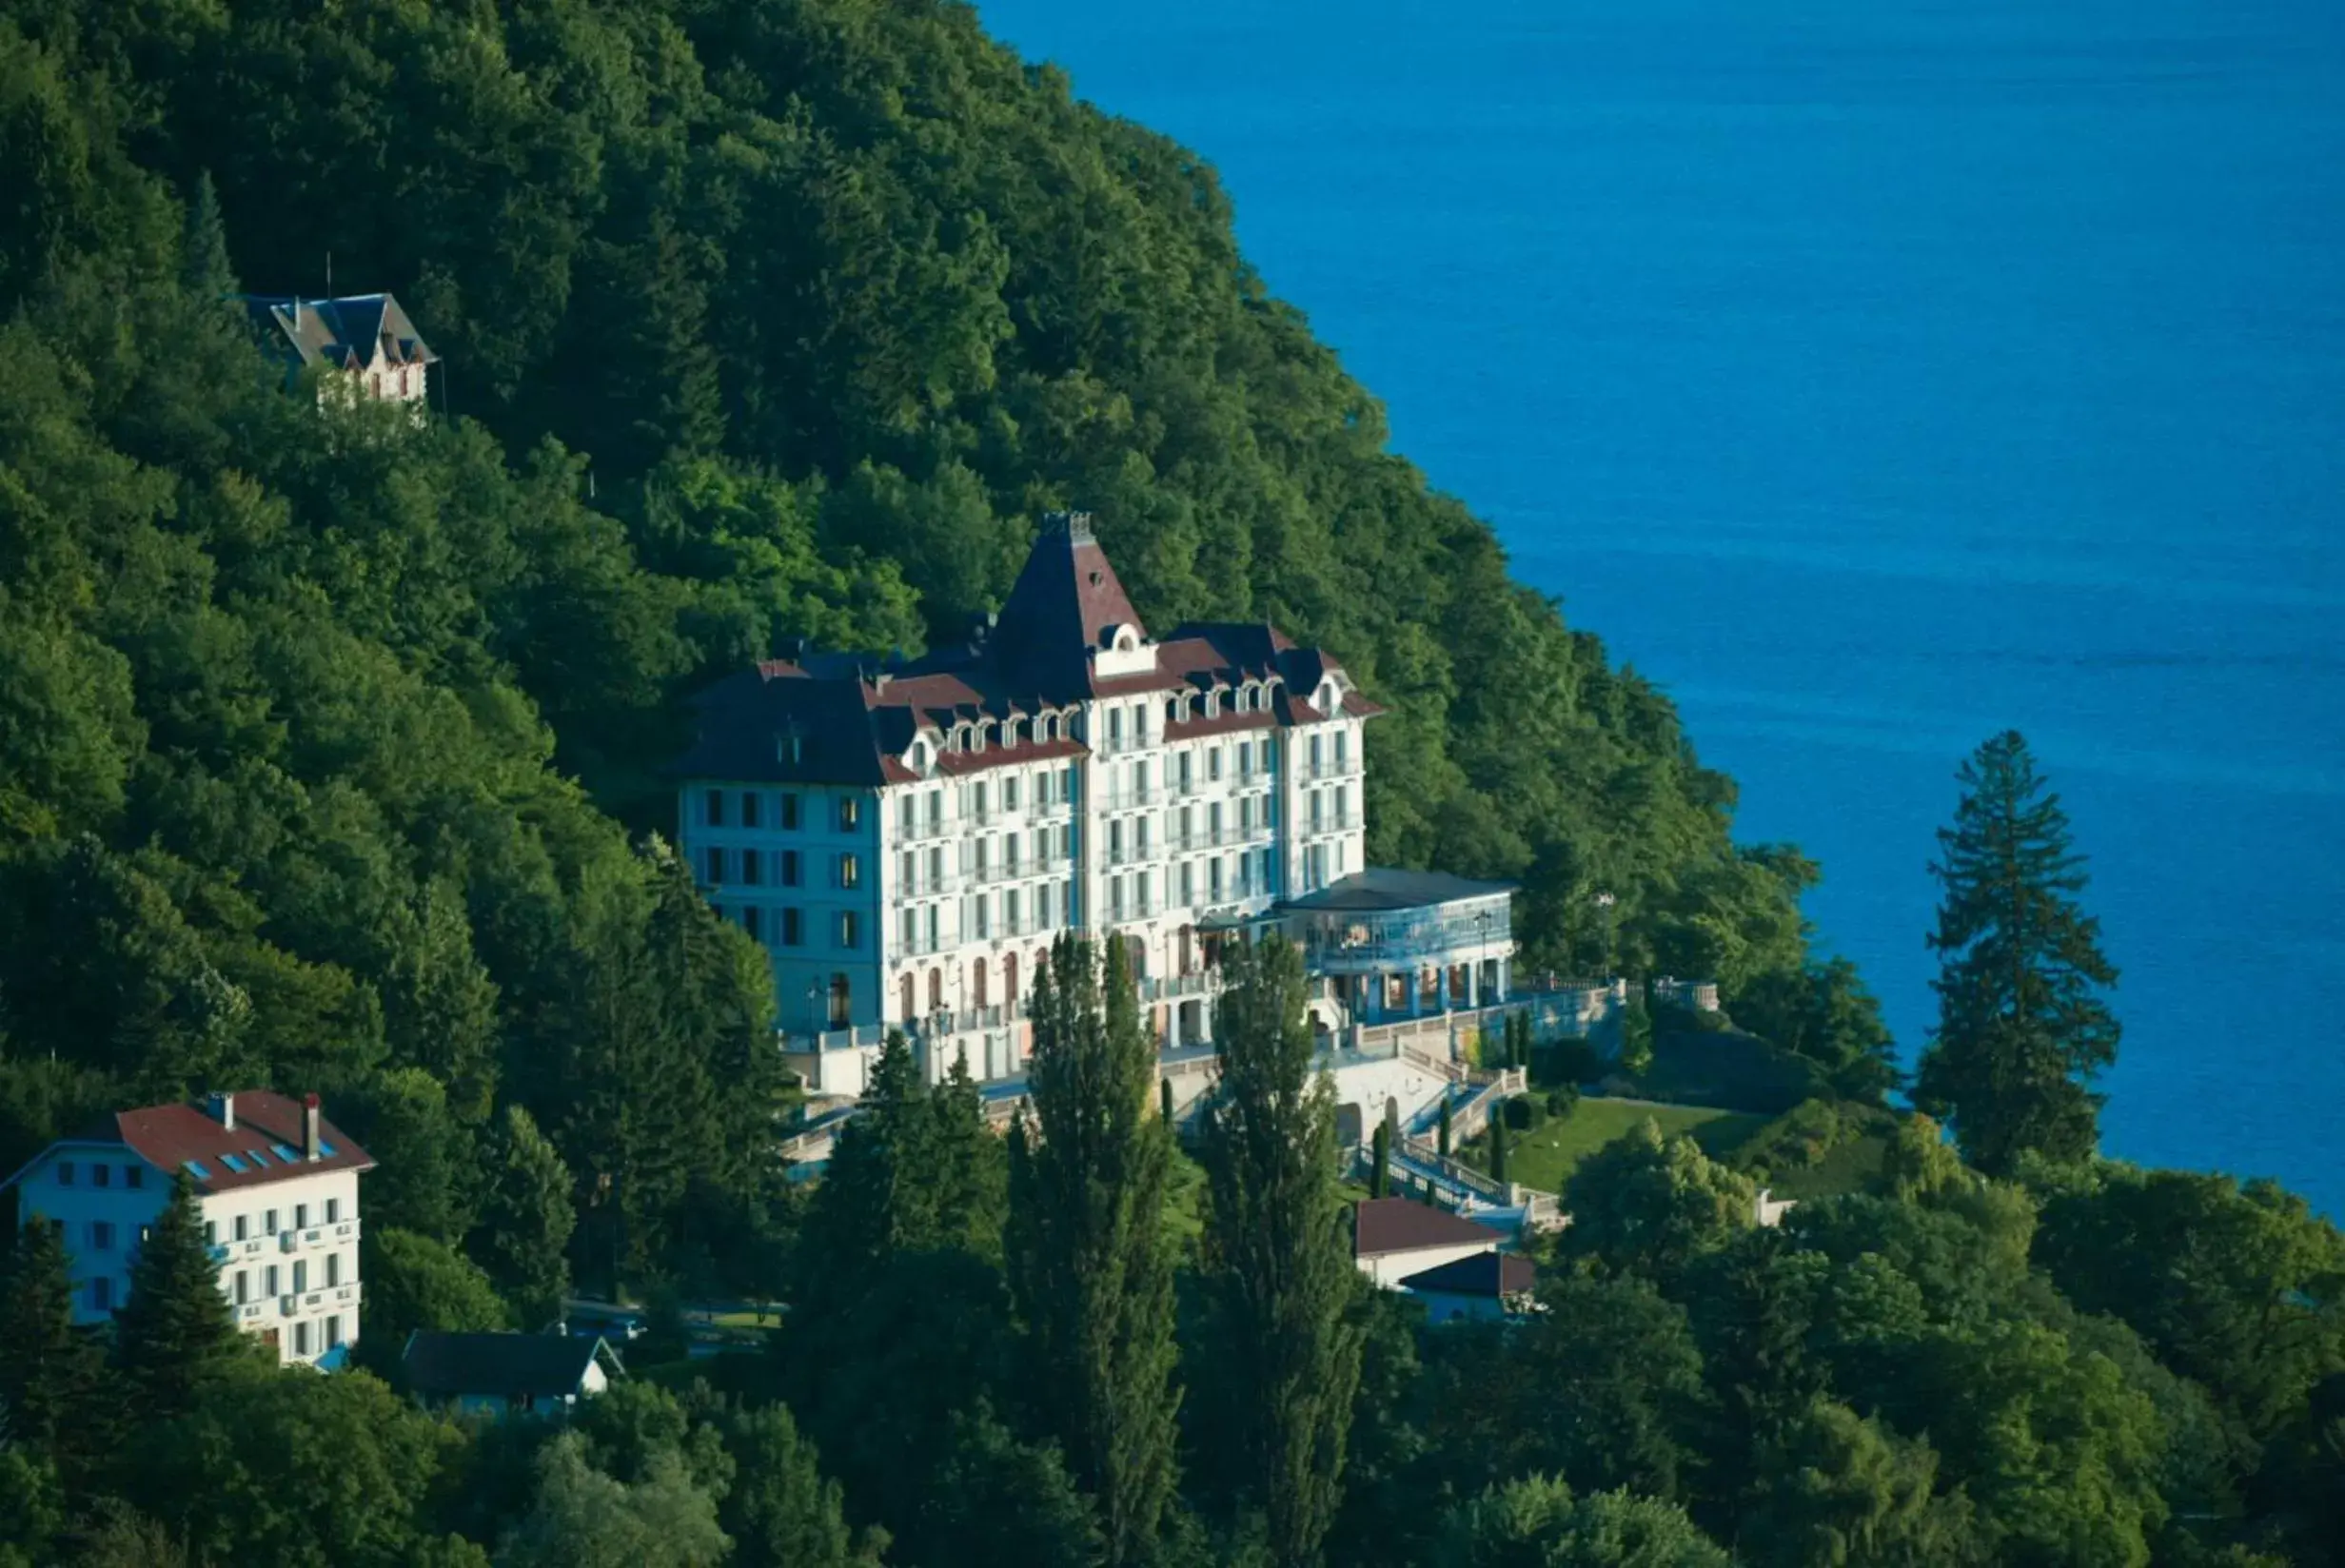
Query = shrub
x=1567 y=1062
x=1562 y=1100
x=1524 y=1112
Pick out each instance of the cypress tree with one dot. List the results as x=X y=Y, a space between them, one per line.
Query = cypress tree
x=1498 y=1142
x=963 y=1168
x=875 y=1200
x=1277 y=1258
x=1163 y=1100
x=2021 y=1029
x=1445 y=1126
x=177 y=1333
x=1090 y=1268
x=49 y=1371
x=1380 y=1163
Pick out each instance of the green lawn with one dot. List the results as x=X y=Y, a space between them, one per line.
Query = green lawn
x=1546 y=1158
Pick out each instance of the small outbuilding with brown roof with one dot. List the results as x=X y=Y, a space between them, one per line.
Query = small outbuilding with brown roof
x=1394 y=1237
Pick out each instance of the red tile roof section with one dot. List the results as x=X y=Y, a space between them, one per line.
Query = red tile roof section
x=853 y=721
x=1380 y=1225
x=168 y=1136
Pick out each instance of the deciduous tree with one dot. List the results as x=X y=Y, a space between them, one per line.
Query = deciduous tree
x=1277 y=1261
x=1090 y=1266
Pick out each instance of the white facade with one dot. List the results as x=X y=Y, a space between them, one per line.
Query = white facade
x=288 y=1248
x=1071 y=775
x=1389 y=1268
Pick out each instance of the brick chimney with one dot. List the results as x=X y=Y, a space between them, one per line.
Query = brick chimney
x=309 y=1127
x=224 y=1110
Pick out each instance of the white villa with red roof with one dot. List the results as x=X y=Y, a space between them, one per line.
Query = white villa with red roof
x=278 y=1187
x=906 y=836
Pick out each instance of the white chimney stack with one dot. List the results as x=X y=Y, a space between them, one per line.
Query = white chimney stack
x=224 y=1110
x=309 y=1127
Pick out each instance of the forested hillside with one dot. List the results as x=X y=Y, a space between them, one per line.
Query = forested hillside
x=328 y=752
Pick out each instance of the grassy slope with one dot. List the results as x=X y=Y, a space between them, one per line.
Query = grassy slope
x=1546 y=1158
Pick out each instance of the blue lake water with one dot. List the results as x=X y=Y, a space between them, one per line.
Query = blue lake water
x=1874 y=375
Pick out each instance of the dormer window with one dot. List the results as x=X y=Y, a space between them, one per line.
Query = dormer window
x=1213 y=703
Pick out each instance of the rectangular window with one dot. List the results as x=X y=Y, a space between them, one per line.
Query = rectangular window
x=243 y=1287
x=1245 y=759
x=752 y=923
x=300 y=1216
x=1343 y=740
x=134 y=1177
x=981 y=851
x=1116 y=728
x=211 y=1233
x=842 y=1002
x=333 y=1269
x=243 y=1226
x=301 y=1339
x=1316 y=745
x=716 y=867
x=981 y=796
x=749 y=808
x=716 y=808
x=1189 y=883
x=985 y=914
x=1009 y=911
x=333 y=1211
x=936 y=809
x=101 y=1175
x=906 y=815
x=64 y=1173
x=789 y=935
x=850 y=814
x=333 y=1332
x=1148 y=889
x=1213 y=763
x=1143 y=838
x=932 y=927
x=271 y=1228
x=789 y=813
x=1213 y=877
x=1008 y=793
x=269 y=1281
x=101 y=1236
x=1115 y=898
x=789 y=868
x=1186 y=759
x=753 y=867
x=101 y=1294
x=301 y=1275
x=909 y=927
x=850 y=871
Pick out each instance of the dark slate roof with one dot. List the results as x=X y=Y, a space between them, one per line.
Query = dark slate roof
x=1484 y=1274
x=855 y=717
x=1066 y=602
x=1402 y=1224
x=350 y=333
x=1390 y=887
x=168 y=1137
x=496 y=1365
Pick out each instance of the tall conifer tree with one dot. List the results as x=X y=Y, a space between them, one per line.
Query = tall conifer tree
x=177 y=1333
x=1090 y=1266
x=1279 y=1266
x=2023 y=1028
x=49 y=1371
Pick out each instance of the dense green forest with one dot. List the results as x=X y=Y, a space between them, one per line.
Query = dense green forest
x=328 y=755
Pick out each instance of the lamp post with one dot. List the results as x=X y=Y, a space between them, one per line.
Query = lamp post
x=1481 y=951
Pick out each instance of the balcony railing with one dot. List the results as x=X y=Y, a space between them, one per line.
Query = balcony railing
x=1340 y=767
x=1335 y=822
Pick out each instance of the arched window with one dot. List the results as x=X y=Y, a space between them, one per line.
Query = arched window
x=1009 y=978
x=841 y=1005
x=936 y=990
x=909 y=997
x=1138 y=952
x=976 y=984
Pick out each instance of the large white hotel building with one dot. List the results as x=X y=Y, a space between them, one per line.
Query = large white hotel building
x=906 y=838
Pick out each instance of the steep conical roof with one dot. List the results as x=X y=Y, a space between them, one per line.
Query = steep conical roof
x=1066 y=601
